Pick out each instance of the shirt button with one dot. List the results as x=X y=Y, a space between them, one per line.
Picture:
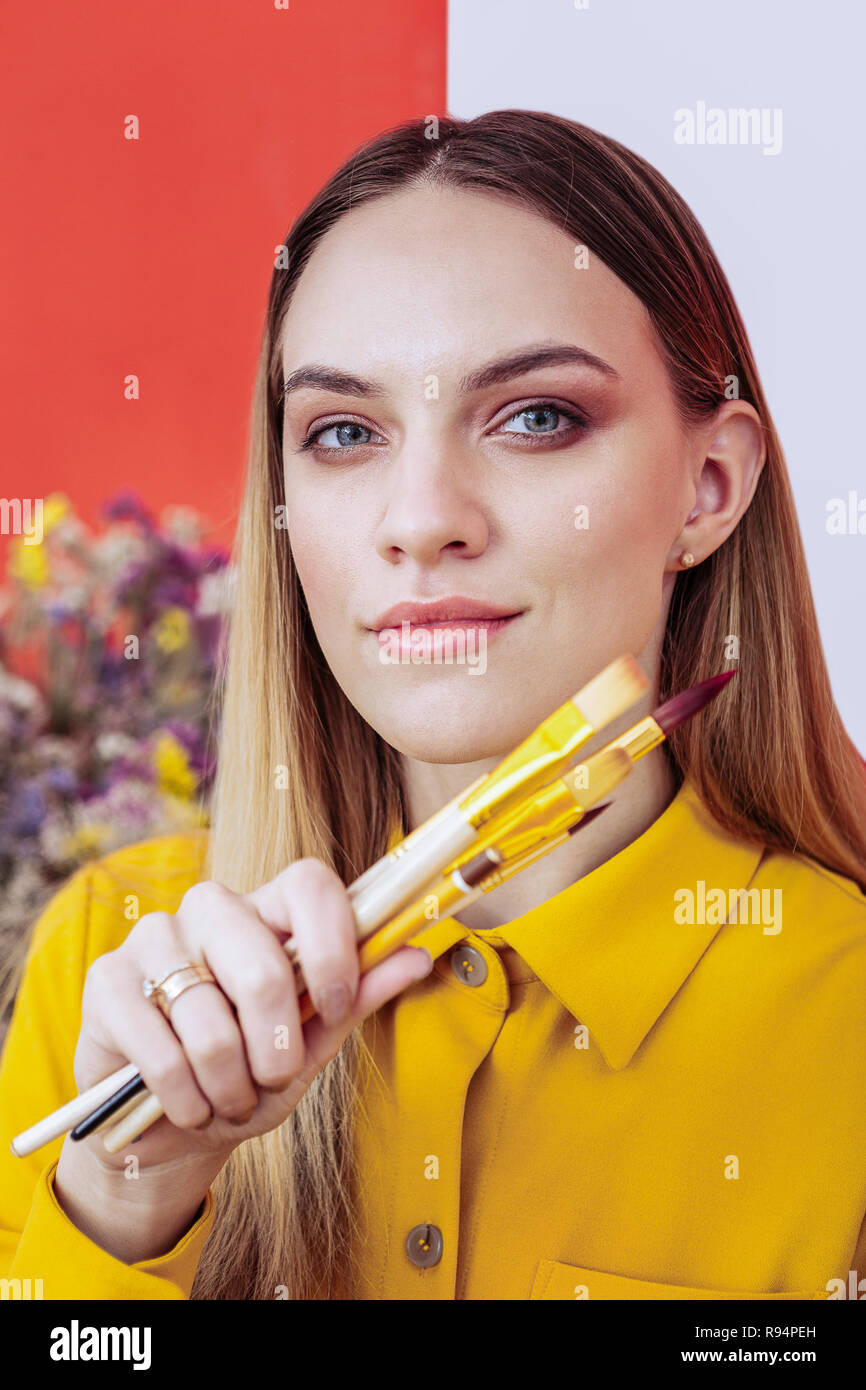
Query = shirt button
x=424 y=1246
x=469 y=965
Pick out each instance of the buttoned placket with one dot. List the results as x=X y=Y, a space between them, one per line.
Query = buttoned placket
x=460 y=1014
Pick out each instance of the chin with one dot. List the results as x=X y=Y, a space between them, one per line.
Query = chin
x=456 y=737
x=441 y=750
x=458 y=720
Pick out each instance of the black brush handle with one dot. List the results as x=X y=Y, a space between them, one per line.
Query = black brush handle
x=108 y=1108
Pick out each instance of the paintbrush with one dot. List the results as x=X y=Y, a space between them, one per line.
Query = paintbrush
x=402 y=874
x=559 y=810
x=539 y=825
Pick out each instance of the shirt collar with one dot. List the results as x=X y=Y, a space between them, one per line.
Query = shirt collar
x=608 y=946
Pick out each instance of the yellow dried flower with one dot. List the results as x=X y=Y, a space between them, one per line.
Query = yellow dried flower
x=88 y=839
x=57 y=506
x=172 y=630
x=176 y=777
x=28 y=564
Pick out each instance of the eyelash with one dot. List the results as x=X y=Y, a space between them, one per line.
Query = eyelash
x=577 y=421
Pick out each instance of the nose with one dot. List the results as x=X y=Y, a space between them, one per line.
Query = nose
x=431 y=505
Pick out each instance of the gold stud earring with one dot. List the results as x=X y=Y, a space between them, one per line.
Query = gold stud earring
x=687 y=558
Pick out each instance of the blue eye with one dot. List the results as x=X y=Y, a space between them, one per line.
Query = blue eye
x=346 y=434
x=541 y=419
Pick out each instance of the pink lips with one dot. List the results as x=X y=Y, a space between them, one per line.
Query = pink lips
x=456 y=611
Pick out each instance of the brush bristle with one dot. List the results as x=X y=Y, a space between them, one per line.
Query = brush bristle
x=593 y=779
x=611 y=692
x=681 y=707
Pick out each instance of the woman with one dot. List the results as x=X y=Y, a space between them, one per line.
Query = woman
x=501 y=371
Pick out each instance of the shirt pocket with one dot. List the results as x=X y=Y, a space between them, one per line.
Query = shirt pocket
x=556 y=1280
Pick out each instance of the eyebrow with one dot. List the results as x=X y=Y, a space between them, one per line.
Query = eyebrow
x=493 y=374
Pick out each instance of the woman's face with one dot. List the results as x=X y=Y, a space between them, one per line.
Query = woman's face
x=477 y=454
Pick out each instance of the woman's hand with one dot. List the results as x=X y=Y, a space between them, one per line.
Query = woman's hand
x=235 y=1060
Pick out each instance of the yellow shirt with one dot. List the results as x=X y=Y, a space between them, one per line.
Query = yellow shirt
x=629 y=1092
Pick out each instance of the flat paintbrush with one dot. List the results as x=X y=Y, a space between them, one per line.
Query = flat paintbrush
x=561 y=809
x=540 y=824
x=420 y=857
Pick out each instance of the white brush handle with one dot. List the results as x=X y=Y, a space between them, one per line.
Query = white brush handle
x=71 y=1114
x=409 y=876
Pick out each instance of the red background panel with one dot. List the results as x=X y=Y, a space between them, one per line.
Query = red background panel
x=153 y=256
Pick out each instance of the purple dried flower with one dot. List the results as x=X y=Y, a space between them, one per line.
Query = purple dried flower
x=127 y=505
x=122 y=769
x=61 y=779
x=26 y=810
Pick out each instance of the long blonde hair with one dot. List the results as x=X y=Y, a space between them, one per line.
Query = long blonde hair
x=773 y=765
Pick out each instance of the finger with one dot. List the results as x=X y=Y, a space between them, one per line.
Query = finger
x=406 y=967
x=118 y=1019
x=312 y=900
x=205 y=1023
x=253 y=970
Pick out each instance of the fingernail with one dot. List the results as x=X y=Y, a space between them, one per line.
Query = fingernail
x=243 y=1119
x=427 y=965
x=332 y=1003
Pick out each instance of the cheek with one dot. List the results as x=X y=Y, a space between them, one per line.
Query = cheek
x=321 y=552
x=602 y=527
x=600 y=554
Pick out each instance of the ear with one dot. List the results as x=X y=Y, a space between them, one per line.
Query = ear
x=729 y=456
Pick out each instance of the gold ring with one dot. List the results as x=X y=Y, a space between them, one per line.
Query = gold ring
x=167 y=988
